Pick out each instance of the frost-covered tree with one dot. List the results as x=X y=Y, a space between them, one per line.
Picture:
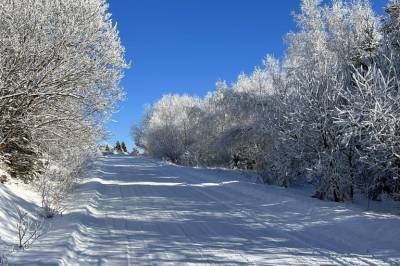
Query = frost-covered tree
x=320 y=61
x=246 y=108
x=167 y=130
x=327 y=115
x=60 y=67
x=372 y=115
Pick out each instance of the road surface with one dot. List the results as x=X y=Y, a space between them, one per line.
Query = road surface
x=138 y=211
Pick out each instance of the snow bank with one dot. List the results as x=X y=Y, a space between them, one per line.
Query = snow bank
x=15 y=194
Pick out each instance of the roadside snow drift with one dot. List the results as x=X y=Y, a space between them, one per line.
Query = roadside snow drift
x=137 y=211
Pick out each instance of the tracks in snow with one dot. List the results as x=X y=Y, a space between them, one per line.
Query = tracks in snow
x=143 y=212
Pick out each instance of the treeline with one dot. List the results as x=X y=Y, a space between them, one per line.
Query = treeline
x=60 y=66
x=328 y=114
x=120 y=147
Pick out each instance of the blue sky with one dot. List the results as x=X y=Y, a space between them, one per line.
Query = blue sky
x=185 y=46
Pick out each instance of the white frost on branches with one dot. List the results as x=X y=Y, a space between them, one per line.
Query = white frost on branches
x=60 y=66
x=328 y=115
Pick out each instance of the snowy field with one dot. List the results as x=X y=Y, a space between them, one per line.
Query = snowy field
x=137 y=211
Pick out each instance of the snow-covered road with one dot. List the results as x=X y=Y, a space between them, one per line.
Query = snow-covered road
x=138 y=211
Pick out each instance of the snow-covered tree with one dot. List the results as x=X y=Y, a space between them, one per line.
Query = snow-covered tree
x=326 y=115
x=372 y=115
x=167 y=131
x=118 y=147
x=123 y=147
x=320 y=62
x=61 y=62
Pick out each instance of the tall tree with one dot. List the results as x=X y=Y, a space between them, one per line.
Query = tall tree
x=123 y=147
x=118 y=147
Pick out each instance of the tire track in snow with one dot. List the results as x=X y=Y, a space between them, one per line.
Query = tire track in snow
x=235 y=193
x=246 y=215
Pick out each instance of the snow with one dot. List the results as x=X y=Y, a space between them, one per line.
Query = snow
x=15 y=194
x=138 y=211
x=3 y=172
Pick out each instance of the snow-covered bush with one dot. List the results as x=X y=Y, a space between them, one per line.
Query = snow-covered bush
x=53 y=186
x=28 y=230
x=64 y=166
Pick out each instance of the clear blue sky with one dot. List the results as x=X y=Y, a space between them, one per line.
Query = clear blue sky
x=185 y=46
